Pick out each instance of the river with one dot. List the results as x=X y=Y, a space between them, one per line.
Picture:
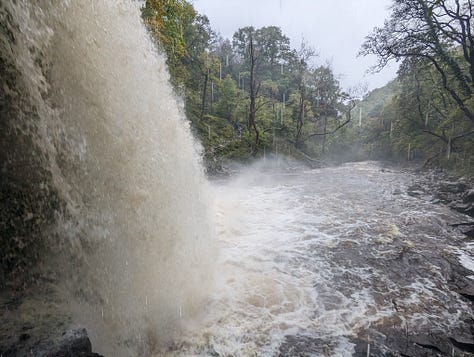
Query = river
x=337 y=261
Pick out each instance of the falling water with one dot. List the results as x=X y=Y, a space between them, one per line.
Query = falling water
x=88 y=117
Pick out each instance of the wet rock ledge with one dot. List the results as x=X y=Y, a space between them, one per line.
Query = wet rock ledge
x=72 y=343
x=32 y=324
x=456 y=193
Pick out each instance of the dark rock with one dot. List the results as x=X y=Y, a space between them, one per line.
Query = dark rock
x=466 y=208
x=24 y=337
x=452 y=187
x=73 y=343
x=468 y=196
x=467 y=296
x=393 y=341
x=428 y=346
x=33 y=325
x=466 y=228
x=415 y=193
x=459 y=282
x=470 y=210
x=415 y=190
x=397 y=192
x=463 y=346
x=468 y=232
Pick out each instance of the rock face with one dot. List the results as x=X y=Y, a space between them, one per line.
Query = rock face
x=28 y=200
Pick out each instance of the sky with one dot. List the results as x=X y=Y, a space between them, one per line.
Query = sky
x=334 y=28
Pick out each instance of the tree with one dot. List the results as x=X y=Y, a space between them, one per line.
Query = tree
x=168 y=21
x=301 y=74
x=328 y=95
x=431 y=110
x=326 y=107
x=244 y=43
x=433 y=39
x=223 y=50
x=205 y=66
x=436 y=31
x=258 y=49
x=275 y=48
x=228 y=99
x=186 y=38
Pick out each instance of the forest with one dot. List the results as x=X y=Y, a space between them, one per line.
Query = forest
x=255 y=95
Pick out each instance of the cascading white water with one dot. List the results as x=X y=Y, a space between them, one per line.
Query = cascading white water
x=133 y=237
x=332 y=262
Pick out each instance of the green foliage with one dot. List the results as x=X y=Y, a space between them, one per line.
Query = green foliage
x=248 y=96
x=226 y=106
x=433 y=115
x=253 y=94
x=169 y=21
x=413 y=119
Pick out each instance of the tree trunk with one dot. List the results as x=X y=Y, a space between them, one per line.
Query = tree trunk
x=324 y=136
x=253 y=96
x=204 y=93
x=300 y=122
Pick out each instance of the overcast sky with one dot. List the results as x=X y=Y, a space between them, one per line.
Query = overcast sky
x=335 y=28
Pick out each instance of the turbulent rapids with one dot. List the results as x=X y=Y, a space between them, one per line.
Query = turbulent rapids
x=105 y=211
x=335 y=262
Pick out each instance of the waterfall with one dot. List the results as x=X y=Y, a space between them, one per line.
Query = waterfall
x=102 y=185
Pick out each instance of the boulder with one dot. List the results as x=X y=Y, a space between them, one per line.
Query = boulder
x=72 y=343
